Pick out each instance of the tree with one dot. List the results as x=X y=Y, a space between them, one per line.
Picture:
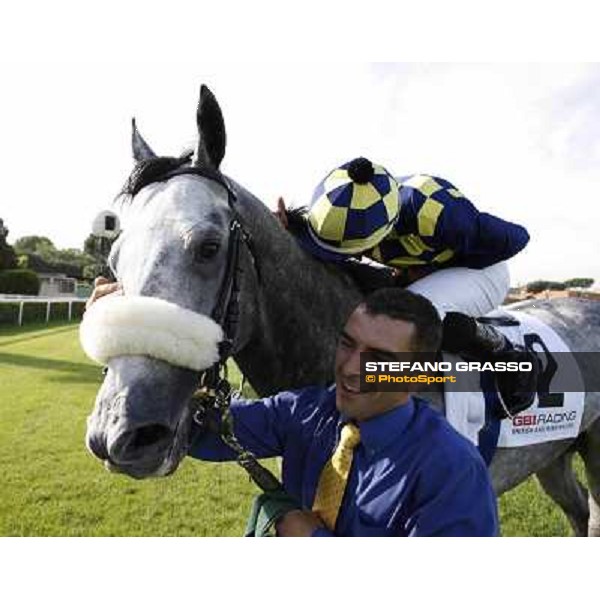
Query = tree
x=8 y=258
x=535 y=287
x=34 y=244
x=41 y=255
x=99 y=248
x=579 y=282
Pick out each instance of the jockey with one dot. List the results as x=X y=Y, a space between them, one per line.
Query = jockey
x=437 y=242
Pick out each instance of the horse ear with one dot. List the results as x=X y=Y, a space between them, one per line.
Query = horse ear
x=141 y=150
x=211 y=130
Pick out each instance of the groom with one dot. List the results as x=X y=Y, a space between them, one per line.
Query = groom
x=367 y=464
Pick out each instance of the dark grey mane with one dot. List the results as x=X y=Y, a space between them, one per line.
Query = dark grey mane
x=296 y=218
x=150 y=170
x=366 y=277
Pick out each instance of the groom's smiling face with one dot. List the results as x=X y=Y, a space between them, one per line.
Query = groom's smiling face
x=381 y=336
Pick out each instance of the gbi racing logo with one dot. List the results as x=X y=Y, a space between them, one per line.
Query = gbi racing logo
x=531 y=420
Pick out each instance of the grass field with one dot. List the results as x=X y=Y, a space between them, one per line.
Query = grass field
x=52 y=486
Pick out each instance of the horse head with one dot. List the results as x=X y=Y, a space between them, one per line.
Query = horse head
x=177 y=262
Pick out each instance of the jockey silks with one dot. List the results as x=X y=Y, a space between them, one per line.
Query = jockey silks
x=437 y=226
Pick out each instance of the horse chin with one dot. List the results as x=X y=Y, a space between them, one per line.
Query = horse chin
x=143 y=470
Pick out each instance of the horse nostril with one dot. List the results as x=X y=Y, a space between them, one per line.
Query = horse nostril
x=151 y=435
x=96 y=446
x=146 y=443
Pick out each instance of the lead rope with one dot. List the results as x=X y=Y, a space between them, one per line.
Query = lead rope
x=218 y=398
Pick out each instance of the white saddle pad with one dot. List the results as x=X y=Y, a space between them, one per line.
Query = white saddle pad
x=466 y=410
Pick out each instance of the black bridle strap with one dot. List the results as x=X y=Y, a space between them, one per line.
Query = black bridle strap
x=226 y=309
x=229 y=287
x=199 y=171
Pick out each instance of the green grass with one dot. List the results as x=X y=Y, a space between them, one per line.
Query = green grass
x=527 y=511
x=52 y=486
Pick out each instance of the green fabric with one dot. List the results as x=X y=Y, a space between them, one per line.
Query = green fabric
x=267 y=509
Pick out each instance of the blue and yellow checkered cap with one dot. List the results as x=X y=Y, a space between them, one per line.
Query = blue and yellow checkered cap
x=353 y=208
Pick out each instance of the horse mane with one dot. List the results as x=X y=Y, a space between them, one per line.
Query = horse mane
x=368 y=278
x=296 y=219
x=149 y=170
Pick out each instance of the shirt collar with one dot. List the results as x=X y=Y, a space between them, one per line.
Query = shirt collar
x=376 y=433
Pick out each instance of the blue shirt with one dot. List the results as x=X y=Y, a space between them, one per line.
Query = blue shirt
x=412 y=474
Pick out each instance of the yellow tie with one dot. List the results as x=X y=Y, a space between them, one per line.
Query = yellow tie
x=334 y=477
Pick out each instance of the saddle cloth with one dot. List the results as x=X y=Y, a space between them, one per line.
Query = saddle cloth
x=466 y=411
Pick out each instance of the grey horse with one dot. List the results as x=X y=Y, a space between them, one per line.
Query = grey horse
x=292 y=308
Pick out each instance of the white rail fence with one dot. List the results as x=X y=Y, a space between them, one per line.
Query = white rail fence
x=22 y=300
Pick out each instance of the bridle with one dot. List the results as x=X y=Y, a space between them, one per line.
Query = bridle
x=214 y=393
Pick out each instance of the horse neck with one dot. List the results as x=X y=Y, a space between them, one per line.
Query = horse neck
x=296 y=309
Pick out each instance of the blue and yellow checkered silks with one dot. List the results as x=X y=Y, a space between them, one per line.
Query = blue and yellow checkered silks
x=439 y=227
x=420 y=237
x=353 y=208
x=428 y=225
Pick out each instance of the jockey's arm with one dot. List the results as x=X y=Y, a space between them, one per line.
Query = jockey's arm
x=478 y=239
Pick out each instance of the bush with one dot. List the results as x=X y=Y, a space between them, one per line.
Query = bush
x=59 y=311
x=32 y=313
x=9 y=313
x=35 y=312
x=77 y=311
x=19 y=281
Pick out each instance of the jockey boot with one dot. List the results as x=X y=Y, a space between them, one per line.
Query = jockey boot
x=463 y=335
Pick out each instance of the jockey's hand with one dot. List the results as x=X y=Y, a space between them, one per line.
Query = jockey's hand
x=103 y=287
x=298 y=523
x=408 y=275
x=280 y=212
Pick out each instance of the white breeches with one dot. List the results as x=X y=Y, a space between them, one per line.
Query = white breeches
x=473 y=292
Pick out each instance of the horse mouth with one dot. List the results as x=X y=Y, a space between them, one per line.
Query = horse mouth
x=149 y=451
x=143 y=470
x=161 y=465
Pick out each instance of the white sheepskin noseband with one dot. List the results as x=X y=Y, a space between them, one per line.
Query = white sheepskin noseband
x=140 y=325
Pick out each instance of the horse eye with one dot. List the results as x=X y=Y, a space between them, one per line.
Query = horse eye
x=206 y=250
